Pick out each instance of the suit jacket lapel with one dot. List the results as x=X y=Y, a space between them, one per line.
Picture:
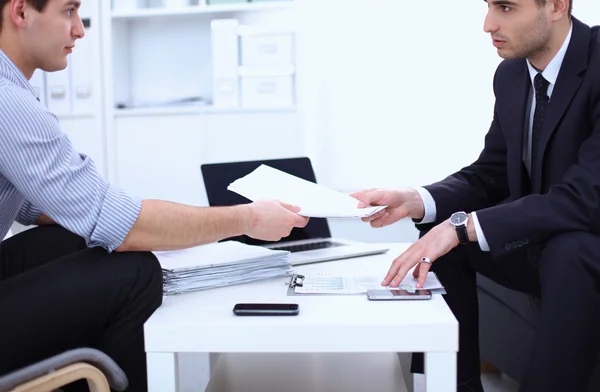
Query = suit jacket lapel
x=516 y=104
x=567 y=84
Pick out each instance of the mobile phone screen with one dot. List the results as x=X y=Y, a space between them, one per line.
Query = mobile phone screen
x=404 y=293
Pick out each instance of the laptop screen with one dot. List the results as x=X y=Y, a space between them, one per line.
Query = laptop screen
x=218 y=176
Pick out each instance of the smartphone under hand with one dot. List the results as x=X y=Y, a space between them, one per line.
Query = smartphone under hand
x=398 y=295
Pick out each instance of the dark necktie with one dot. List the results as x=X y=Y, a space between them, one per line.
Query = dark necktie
x=541 y=103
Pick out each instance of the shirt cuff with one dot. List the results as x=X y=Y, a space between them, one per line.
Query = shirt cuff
x=119 y=212
x=483 y=244
x=429 y=206
x=28 y=214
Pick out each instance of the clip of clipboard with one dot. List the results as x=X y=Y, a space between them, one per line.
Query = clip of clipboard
x=296 y=281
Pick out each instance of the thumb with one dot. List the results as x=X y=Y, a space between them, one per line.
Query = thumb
x=289 y=207
x=366 y=198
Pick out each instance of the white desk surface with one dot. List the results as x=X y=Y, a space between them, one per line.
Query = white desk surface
x=203 y=321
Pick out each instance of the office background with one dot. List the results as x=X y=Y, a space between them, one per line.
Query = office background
x=381 y=93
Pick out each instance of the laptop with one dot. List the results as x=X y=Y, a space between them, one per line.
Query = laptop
x=310 y=244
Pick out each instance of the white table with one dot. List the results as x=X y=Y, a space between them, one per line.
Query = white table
x=203 y=322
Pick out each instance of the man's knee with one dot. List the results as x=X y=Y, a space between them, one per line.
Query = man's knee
x=146 y=273
x=150 y=276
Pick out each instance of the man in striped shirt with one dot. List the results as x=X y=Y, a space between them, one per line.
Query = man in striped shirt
x=85 y=276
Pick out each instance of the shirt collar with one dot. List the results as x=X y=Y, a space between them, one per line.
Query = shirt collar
x=552 y=70
x=10 y=72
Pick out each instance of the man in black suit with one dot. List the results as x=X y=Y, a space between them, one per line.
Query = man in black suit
x=532 y=198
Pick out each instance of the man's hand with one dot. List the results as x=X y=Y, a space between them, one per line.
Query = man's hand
x=401 y=203
x=271 y=220
x=433 y=245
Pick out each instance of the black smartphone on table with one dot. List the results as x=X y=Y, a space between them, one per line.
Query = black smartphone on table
x=265 y=309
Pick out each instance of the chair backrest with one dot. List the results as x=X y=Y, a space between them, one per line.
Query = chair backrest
x=114 y=374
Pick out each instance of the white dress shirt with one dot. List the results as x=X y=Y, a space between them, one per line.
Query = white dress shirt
x=550 y=74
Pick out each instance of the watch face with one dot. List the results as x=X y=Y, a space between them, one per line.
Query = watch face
x=458 y=218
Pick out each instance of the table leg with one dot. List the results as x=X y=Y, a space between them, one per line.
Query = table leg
x=162 y=372
x=440 y=372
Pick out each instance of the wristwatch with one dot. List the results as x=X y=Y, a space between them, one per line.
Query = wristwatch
x=459 y=221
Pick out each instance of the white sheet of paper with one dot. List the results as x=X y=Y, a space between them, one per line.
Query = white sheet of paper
x=315 y=201
x=327 y=283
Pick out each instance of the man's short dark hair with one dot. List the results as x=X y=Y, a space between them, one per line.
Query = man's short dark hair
x=541 y=3
x=37 y=4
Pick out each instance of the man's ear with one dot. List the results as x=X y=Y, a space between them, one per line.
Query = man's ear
x=17 y=11
x=560 y=9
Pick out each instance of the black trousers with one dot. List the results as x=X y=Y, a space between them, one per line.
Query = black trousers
x=56 y=295
x=565 y=275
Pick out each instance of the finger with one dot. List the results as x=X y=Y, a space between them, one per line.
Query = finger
x=382 y=220
x=393 y=271
x=301 y=221
x=423 y=271
x=402 y=272
x=373 y=217
x=416 y=271
x=389 y=218
x=292 y=208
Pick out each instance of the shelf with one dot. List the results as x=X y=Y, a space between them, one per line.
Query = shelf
x=74 y=116
x=191 y=110
x=201 y=9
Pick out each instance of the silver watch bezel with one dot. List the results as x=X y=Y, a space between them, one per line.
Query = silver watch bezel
x=459 y=218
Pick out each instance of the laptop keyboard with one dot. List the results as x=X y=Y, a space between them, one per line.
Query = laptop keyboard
x=312 y=246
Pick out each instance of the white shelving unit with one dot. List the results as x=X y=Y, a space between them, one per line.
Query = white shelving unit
x=203 y=8
x=160 y=54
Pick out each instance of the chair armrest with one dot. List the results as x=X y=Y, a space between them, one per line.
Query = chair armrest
x=114 y=374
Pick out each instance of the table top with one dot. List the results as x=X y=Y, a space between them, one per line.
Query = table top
x=204 y=322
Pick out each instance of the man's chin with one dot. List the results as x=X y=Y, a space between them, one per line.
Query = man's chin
x=55 y=66
x=508 y=55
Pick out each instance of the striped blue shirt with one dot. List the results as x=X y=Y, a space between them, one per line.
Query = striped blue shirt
x=41 y=172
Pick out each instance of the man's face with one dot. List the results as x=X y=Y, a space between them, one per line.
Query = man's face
x=50 y=35
x=519 y=28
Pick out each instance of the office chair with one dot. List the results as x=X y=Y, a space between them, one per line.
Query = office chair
x=100 y=371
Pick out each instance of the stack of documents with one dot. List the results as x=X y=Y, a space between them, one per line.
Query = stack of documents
x=315 y=201
x=220 y=264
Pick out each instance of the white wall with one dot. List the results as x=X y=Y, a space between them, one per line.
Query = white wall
x=403 y=90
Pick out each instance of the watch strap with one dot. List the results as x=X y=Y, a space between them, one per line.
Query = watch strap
x=463 y=236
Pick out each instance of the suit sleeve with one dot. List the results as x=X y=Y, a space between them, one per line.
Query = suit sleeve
x=571 y=205
x=480 y=185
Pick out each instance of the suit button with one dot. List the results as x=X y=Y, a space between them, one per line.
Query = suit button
x=526 y=241
x=520 y=243
x=507 y=247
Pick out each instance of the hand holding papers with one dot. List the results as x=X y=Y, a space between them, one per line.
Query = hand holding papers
x=315 y=201
x=220 y=264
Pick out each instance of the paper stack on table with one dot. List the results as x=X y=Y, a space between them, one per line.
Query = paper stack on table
x=220 y=264
x=315 y=201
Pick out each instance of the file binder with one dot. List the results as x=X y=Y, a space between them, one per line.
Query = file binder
x=58 y=94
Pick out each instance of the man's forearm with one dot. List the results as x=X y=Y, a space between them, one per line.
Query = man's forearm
x=163 y=225
x=44 y=219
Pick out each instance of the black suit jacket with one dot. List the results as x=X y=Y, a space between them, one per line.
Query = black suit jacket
x=568 y=195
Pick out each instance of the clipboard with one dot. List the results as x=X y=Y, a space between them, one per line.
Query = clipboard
x=297 y=280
